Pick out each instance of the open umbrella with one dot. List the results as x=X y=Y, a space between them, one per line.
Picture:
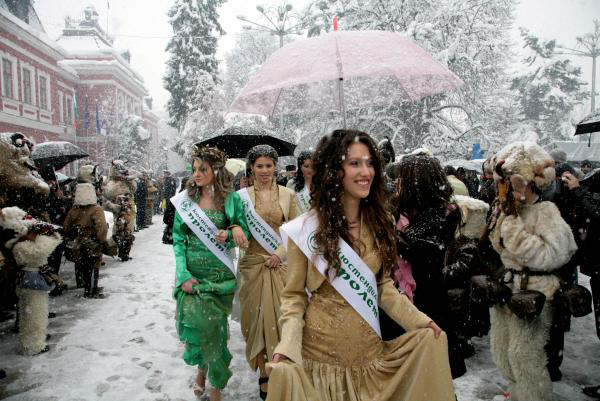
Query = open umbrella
x=338 y=71
x=590 y=124
x=56 y=154
x=473 y=164
x=236 y=141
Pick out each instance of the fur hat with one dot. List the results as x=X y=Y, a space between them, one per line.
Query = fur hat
x=14 y=224
x=525 y=162
x=88 y=174
x=85 y=195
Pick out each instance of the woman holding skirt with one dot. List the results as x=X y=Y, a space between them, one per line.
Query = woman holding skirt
x=205 y=282
x=341 y=252
x=267 y=206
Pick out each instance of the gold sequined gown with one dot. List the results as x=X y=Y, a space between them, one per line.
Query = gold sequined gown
x=334 y=355
x=261 y=286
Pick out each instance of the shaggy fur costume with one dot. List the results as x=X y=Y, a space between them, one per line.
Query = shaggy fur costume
x=33 y=304
x=85 y=194
x=17 y=170
x=540 y=240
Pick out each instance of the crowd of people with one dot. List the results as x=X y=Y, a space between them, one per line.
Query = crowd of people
x=362 y=275
x=45 y=221
x=366 y=276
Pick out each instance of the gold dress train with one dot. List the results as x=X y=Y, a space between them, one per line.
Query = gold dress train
x=336 y=356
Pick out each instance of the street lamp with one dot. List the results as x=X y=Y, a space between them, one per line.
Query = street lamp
x=281 y=21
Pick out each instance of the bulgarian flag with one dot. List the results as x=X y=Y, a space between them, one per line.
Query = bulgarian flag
x=76 y=112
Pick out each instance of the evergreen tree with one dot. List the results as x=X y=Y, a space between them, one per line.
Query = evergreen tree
x=549 y=87
x=193 y=47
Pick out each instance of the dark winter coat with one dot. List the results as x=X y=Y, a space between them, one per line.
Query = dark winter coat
x=423 y=244
x=169 y=188
x=487 y=192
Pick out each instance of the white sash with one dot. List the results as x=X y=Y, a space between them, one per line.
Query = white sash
x=195 y=218
x=260 y=229
x=355 y=282
x=303 y=200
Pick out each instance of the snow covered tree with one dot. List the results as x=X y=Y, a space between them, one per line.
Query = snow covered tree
x=207 y=116
x=252 y=48
x=136 y=141
x=471 y=37
x=193 y=47
x=549 y=87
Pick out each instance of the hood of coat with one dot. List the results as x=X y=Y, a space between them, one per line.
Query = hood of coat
x=85 y=195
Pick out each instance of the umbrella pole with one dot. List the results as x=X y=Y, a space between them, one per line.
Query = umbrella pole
x=342 y=102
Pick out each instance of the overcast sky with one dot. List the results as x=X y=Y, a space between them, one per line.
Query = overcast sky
x=142 y=26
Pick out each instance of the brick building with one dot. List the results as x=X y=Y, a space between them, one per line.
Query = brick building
x=78 y=88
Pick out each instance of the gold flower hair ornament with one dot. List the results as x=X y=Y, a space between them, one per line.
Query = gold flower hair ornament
x=215 y=157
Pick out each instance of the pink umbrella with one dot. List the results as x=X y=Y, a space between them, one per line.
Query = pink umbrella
x=343 y=70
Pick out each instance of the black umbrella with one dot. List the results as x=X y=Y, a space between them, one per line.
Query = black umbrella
x=590 y=124
x=56 y=154
x=236 y=141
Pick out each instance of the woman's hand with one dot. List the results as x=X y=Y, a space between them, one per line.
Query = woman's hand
x=221 y=236
x=436 y=329
x=273 y=261
x=187 y=286
x=239 y=238
x=279 y=357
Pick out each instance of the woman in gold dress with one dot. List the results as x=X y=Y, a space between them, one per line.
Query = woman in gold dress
x=328 y=352
x=263 y=270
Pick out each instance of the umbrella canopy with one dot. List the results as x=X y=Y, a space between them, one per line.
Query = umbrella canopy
x=474 y=164
x=236 y=141
x=56 y=154
x=64 y=179
x=343 y=70
x=590 y=124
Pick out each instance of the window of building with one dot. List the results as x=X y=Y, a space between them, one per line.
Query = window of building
x=43 y=93
x=27 y=86
x=69 y=111
x=7 y=78
x=61 y=107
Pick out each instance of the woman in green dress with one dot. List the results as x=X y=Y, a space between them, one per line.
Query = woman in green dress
x=205 y=285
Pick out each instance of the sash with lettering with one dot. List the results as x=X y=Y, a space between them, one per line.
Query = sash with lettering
x=260 y=229
x=355 y=282
x=303 y=200
x=195 y=218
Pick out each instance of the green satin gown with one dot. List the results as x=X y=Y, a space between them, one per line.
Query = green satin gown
x=202 y=316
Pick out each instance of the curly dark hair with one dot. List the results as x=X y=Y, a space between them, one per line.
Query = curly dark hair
x=423 y=185
x=327 y=190
x=222 y=181
x=302 y=157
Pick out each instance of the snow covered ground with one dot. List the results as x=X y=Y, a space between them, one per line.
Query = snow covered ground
x=125 y=347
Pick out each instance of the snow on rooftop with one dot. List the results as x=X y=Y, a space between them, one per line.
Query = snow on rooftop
x=41 y=36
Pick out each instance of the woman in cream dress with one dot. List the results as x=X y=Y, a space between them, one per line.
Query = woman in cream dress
x=263 y=273
x=328 y=352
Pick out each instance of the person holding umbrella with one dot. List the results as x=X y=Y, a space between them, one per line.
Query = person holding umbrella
x=342 y=252
x=209 y=220
x=267 y=206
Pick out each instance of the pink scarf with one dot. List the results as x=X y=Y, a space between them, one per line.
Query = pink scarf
x=402 y=276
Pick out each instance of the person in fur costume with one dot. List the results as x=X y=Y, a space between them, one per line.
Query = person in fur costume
x=86 y=229
x=31 y=243
x=533 y=241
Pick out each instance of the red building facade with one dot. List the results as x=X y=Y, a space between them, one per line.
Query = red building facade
x=78 y=88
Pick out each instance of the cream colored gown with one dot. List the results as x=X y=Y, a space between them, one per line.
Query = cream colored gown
x=336 y=356
x=261 y=287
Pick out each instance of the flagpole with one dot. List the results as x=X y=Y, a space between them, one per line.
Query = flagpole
x=107 y=10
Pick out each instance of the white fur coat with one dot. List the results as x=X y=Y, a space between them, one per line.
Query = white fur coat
x=539 y=239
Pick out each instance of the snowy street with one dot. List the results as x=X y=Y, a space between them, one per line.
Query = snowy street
x=125 y=347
